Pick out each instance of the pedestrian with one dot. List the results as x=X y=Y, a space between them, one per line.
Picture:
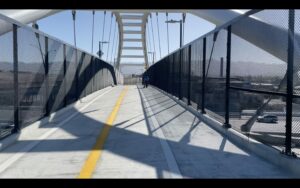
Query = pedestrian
x=145 y=81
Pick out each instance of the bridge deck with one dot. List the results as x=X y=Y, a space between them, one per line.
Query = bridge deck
x=152 y=137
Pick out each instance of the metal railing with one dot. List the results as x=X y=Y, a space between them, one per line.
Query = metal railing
x=249 y=64
x=40 y=74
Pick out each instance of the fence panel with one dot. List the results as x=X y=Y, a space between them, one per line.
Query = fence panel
x=39 y=75
x=185 y=74
x=71 y=82
x=215 y=74
x=260 y=63
x=56 y=75
x=196 y=73
x=31 y=75
x=6 y=82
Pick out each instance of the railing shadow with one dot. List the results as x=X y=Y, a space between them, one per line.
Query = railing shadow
x=139 y=147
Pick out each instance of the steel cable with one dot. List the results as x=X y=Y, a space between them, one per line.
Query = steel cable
x=154 y=50
x=109 y=36
x=93 y=31
x=158 y=35
x=167 y=32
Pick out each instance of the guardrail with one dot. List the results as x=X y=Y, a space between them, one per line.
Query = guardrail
x=40 y=74
x=214 y=73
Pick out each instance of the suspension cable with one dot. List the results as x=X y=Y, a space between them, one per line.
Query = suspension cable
x=183 y=21
x=112 y=50
x=153 y=35
x=211 y=53
x=117 y=50
x=117 y=47
x=117 y=43
x=111 y=18
x=102 y=33
x=158 y=34
x=74 y=29
x=93 y=31
x=76 y=51
x=113 y=44
x=148 y=35
x=167 y=32
x=148 y=45
x=40 y=48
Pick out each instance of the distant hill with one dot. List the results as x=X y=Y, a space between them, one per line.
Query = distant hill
x=257 y=69
x=243 y=68
x=4 y=66
x=24 y=67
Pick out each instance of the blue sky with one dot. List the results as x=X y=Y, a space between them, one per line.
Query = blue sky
x=60 y=25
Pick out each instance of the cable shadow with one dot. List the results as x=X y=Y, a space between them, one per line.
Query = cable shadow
x=187 y=137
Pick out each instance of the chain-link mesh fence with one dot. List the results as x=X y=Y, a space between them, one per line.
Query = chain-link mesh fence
x=196 y=73
x=31 y=75
x=6 y=81
x=258 y=59
x=259 y=63
x=296 y=84
x=56 y=75
x=215 y=74
x=185 y=68
x=44 y=75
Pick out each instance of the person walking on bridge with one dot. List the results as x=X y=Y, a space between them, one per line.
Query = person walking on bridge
x=146 y=80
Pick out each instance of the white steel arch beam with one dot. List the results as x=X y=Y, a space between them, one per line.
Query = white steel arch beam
x=144 y=40
x=27 y=16
x=142 y=25
x=120 y=26
x=217 y=17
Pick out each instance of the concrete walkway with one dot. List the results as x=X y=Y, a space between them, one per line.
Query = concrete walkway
x=152 y=137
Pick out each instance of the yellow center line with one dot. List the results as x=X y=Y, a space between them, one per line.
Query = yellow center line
x=95 y=154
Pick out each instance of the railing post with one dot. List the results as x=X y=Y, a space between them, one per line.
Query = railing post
x=84 y=75
x=180 y=76
x=189 y=75
x=65 y=78
x=77 y=74
x=173 y=82
x=47 y=97
x=227 y=92
x=16 y=86
x=289 y=99
x=203 y=78
x=92 y=80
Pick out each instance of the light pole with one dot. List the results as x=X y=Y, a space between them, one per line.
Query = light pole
x=100 y=48
x=180 y=22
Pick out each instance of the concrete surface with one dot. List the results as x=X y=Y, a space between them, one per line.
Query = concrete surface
x=149 y=130
x=202 y=152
